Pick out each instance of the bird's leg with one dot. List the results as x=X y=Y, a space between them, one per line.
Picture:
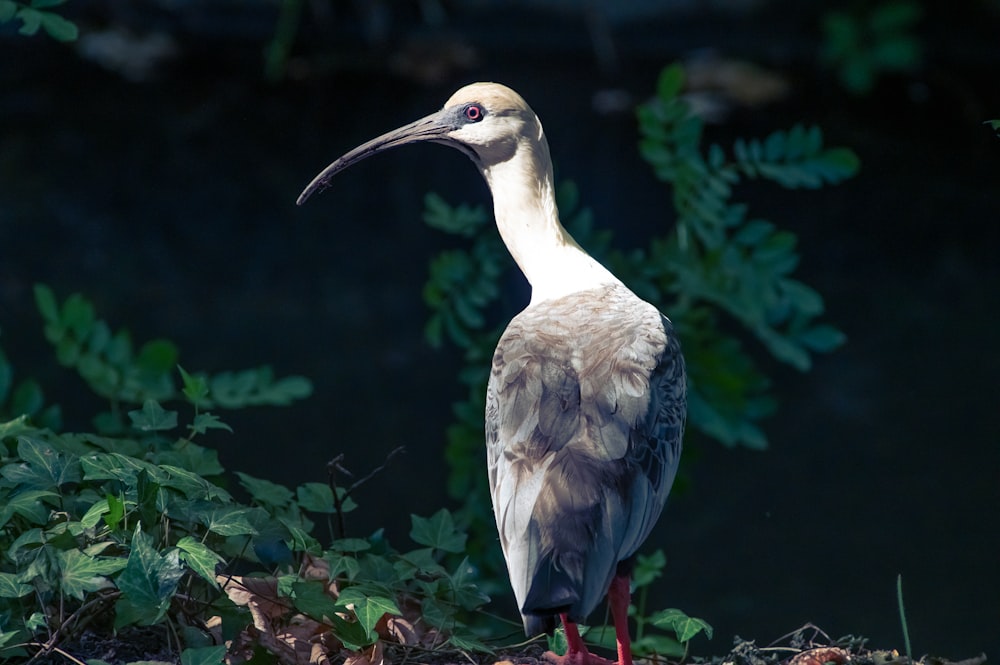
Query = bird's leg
x=619 y=596
x=576 y=650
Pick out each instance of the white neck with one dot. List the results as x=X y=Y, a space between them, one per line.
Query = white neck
x=524 y=205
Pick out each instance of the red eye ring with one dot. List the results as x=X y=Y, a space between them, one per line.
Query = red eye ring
x=474 y=112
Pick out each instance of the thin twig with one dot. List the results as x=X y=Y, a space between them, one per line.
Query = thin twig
x=333 y=466
x=44 y=649
x=388 y=458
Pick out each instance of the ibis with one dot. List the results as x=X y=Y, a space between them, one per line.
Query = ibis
x=586 y=399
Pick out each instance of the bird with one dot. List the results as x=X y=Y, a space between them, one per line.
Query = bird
x=586 y=399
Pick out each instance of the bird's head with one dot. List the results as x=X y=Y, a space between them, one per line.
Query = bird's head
x=486 y=121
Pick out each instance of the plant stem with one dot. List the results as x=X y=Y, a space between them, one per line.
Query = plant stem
x=902 y=617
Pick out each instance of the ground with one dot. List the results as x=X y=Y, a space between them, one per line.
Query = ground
x=808 y=645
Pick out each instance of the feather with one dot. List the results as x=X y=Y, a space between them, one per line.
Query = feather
x=585 y=414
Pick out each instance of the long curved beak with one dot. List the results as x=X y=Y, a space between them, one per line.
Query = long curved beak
x=434 y=127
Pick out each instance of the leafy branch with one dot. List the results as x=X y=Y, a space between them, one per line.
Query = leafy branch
x=35 y=14
x=134 y=527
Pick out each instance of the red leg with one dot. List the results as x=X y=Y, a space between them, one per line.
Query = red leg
x=619 y=596
x=576 y=650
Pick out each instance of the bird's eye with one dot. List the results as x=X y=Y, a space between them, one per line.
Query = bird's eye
x=474 y=112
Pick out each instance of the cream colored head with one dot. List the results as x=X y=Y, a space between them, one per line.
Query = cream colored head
x=500 y=133
x=486 y=121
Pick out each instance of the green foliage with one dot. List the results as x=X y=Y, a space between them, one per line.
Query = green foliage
x=879 y=39
x=113 y=369
x=24 y=398
x=994 y=124
x=35 y=14
x=134 y=525
x=712 y=266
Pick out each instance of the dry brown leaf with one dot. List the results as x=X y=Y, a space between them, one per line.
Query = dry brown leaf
x=315 y=568
x=373 y=655
x=319 y=655
x=398 y=629
x=258 y=594
x=821 y=655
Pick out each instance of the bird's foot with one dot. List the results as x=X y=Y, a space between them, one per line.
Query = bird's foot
x=583 y=657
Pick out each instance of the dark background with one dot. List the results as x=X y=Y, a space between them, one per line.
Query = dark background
x=166 y=195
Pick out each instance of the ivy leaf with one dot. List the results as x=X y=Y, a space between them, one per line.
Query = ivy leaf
x=47 y=463
x=28 y=505
x=206 y=421
x=148 y=582
x=11 y=587
x=660 y=645
x=369 y=607
x=265 y=492
x=204 y=655
x=682 y=625
x=200 y=558
x=195 y=387
x=228 y=520
x=153 y=417
x=311 y=598
x=437 y=531
x=648 y=568
x=81 y=574
x=318 y=498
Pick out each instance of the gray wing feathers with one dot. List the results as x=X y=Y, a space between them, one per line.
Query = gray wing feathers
x=585 y=410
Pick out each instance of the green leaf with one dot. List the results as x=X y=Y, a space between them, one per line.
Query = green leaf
x=59 y=28
x=312 y=599
x=265 y=492
x=467 y=642
x=437 y=531
x=682 y=625
x=318 y=498
x=55 y=467
x=192 y=485
x=148 y=581
x=204 y=655
x=11 y=587
x=821 y=338
x=464 y=591
x=31 y=20
x=14 y=427
x=82 y=574
x=116 y=512
x=153 y=417
x=93 y=515
x=660 y=645
x=115 y=466
x=195 y=387
x=228 y=520
x=460 y=220
x=28 y=505
x=369 y=608
x=350 y=545
x=158 y=356
x=206 y=421
x=8 y=8
x=670 y=82
x=200 y=558
x=27 y=398
x=648 y=568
